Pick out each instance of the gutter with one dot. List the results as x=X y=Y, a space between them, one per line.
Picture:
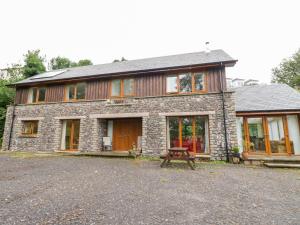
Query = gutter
x=224 y=114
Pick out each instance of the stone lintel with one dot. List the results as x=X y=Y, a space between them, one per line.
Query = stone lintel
x=31 y=118
x=118 y=115
x=69 y=117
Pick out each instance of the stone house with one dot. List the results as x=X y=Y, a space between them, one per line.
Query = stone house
x=148 y=104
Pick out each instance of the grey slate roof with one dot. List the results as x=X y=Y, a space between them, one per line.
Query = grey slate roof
x=139 y=65
x=274 y=97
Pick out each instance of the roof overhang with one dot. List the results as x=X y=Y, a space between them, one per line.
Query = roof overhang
x=131 y=73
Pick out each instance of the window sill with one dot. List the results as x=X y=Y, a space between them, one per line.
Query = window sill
x=76 y=100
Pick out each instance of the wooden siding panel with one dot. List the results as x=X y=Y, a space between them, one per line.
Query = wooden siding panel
x=145 y=85
x=214 y=84
x=150 y=85
x=98 y=89
x=21 y=96
x=55 y=93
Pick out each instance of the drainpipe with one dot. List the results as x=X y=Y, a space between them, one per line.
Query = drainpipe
x=11 y=127
x=224 y=114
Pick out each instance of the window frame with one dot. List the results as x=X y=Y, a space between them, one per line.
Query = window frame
x=66 y=97
x=122 y=95
x=36 y=100
x=193 y=83
x=264 y=117
x=180 y=135
x=31 y=123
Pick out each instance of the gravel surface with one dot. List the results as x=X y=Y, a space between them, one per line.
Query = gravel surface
x=91 y=190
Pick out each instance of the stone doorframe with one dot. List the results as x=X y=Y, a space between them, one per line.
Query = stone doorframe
x=98 y=121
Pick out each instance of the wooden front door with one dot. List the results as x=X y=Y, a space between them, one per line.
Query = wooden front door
x=125 y=133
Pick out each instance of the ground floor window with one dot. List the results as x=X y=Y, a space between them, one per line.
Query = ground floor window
x=276 y=134
x=190 y=132
x=30 y=128
x=70 y=135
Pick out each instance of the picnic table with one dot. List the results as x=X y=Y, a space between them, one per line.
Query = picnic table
x=179 y=153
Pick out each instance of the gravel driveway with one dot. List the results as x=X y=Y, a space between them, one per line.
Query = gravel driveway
x=91 y=190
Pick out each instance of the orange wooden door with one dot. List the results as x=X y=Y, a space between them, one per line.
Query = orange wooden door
x=125 y=133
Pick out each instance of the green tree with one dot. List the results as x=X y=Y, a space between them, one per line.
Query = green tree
x=34 y=63
x=84 y=62
x=7 y=96
x=288 y=72
x=59 y=63
x=63 y=62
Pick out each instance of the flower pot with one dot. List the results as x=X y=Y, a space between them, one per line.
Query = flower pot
x=245 y=155
x=236 y=160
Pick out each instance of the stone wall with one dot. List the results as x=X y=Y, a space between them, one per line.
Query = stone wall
x=93 y=114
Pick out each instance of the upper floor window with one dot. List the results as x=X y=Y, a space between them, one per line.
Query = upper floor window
x=75 y=92
x=186 y=83
x=30 y=127
x=37 y=94
x=122 y=87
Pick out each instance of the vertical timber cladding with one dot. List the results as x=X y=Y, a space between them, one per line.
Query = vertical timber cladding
x=21 y=96
x=145 y=85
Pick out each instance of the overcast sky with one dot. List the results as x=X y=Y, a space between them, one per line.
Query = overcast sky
x=257 y=33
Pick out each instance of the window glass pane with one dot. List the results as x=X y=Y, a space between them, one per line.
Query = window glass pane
x=201 y=135
x=256 y=133
x=81 y=91
x=185 y=81
x=26 y=128
x=34 y=95
x=116 y=88
x=276 y=134
x=42 y=94
x=34 y=127
x=71 y=92
x=128 y=86
x=76 y=134
x=294 y=133
x=174 y=131
x=30 y=127
x=68 y=134
x=187 y=133
x=172 y=84
x=199 y=81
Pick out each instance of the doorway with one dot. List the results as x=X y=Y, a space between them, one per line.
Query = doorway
x=125 y=133
x=70 y=135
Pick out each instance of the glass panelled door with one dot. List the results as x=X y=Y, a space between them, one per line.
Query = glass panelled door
x=201 y=127
x=174 y=132
x=187 y=133
x=190 y=132
x=276 y=135
x=270 y=134
x=71 y=134
x=256 y=136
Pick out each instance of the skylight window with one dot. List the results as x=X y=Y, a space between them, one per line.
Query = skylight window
x=48 y=74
